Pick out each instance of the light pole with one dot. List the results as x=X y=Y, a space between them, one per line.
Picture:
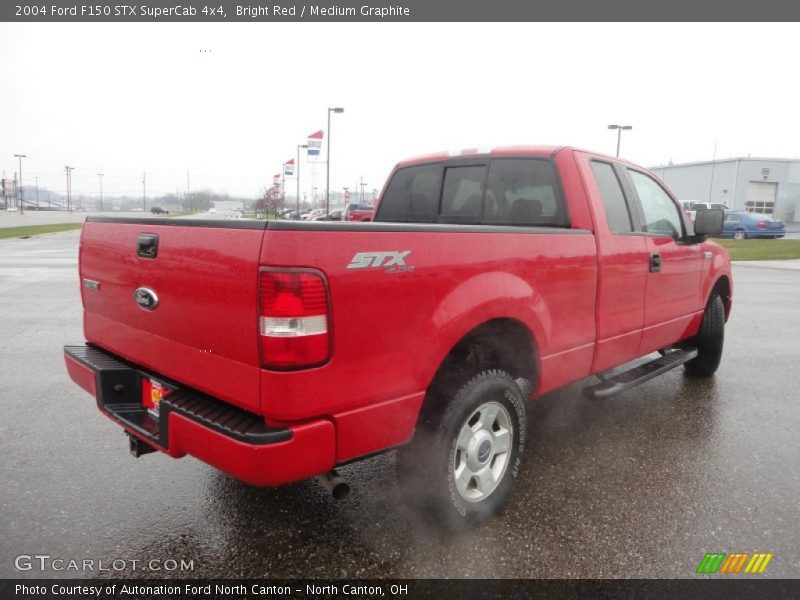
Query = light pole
x=328 y=160
x=361 y=195
x=619 y=129
x=21 y=192
x=298 y=176
x=100 y=175
x=68 y=170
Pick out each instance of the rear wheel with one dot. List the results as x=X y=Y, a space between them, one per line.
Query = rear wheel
x=709 y=339
x=461 y=465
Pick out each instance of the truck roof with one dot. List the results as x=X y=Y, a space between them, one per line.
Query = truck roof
x=498 y=151
x=549 y=151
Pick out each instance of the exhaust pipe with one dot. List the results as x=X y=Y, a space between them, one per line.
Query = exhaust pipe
x=336 y=486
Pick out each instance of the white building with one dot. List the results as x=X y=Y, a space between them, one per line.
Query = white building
x=759 y=185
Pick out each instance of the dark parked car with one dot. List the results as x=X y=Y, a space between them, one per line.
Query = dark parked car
x=157 y=210
x=334 y=215
x=741 y=225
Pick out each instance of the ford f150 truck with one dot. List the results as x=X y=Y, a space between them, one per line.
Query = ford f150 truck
x=277 y=350
x=359 y=212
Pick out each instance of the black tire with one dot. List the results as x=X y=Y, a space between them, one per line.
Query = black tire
x=709 y=340
x=427 y=467
x=739 y=234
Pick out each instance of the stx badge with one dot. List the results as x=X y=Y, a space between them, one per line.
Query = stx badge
x=393 y=261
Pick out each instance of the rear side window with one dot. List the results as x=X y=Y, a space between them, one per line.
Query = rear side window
x=412 y=195
x=617 y=213
x=523 y=192
x=462 y=196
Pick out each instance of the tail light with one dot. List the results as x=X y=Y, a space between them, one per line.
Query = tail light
x=293 y=318
x=761 y=224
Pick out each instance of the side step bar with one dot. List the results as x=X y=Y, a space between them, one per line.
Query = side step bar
x=628 y=379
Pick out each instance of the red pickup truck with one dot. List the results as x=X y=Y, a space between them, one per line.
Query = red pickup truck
x=277 y=350
x=359 y=212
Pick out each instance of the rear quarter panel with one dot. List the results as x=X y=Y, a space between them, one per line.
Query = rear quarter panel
x=391 y=330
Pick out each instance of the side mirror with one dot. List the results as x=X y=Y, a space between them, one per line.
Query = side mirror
x=708 y=222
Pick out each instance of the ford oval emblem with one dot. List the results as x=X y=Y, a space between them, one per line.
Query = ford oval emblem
x=146 y=298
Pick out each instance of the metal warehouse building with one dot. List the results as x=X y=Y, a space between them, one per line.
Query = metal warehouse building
x=759 y=185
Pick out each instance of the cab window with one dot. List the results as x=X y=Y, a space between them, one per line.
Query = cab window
x=661 y=215
x=412 y=195
x=523 y=192
x=462 y=196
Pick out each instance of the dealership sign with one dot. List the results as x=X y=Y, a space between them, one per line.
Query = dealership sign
x=315 y=143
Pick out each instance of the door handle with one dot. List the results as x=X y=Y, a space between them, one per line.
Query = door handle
x=655 y=262
x=147 y=245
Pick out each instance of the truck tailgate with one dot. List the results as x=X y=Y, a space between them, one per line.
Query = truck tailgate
x=203 y=331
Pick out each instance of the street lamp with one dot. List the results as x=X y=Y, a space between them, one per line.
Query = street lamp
x=68 y=170
x=298 y=176
x=619 y=129
x=100 y=175
x=21 y=193
x=361 y=192
x=328 y=157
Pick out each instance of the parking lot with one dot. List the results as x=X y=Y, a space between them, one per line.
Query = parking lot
x=641 y=485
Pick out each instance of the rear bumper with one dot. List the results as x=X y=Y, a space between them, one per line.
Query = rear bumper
x=189 y=422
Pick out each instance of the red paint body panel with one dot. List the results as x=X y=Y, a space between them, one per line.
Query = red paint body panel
x=376 y=426
x=360 y=215
x=203 y=332
x=402 y=325
x=310 y=451
x=673 y=294
x=81 y=374
x=584 y=294
x=622 y=277
x=716 y=265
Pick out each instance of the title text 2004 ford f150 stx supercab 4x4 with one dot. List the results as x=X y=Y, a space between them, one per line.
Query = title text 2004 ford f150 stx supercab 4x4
x=277 y=350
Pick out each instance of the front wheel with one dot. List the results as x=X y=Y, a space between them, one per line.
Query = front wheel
x=462 y=463
x=709 y=339
x=740 y=234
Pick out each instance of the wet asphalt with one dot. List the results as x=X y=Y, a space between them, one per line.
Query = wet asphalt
x=641 y=485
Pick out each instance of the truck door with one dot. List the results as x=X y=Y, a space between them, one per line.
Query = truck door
x=672 y=297
x=622 y=264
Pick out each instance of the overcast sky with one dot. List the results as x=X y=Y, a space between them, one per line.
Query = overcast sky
x=126 y=98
